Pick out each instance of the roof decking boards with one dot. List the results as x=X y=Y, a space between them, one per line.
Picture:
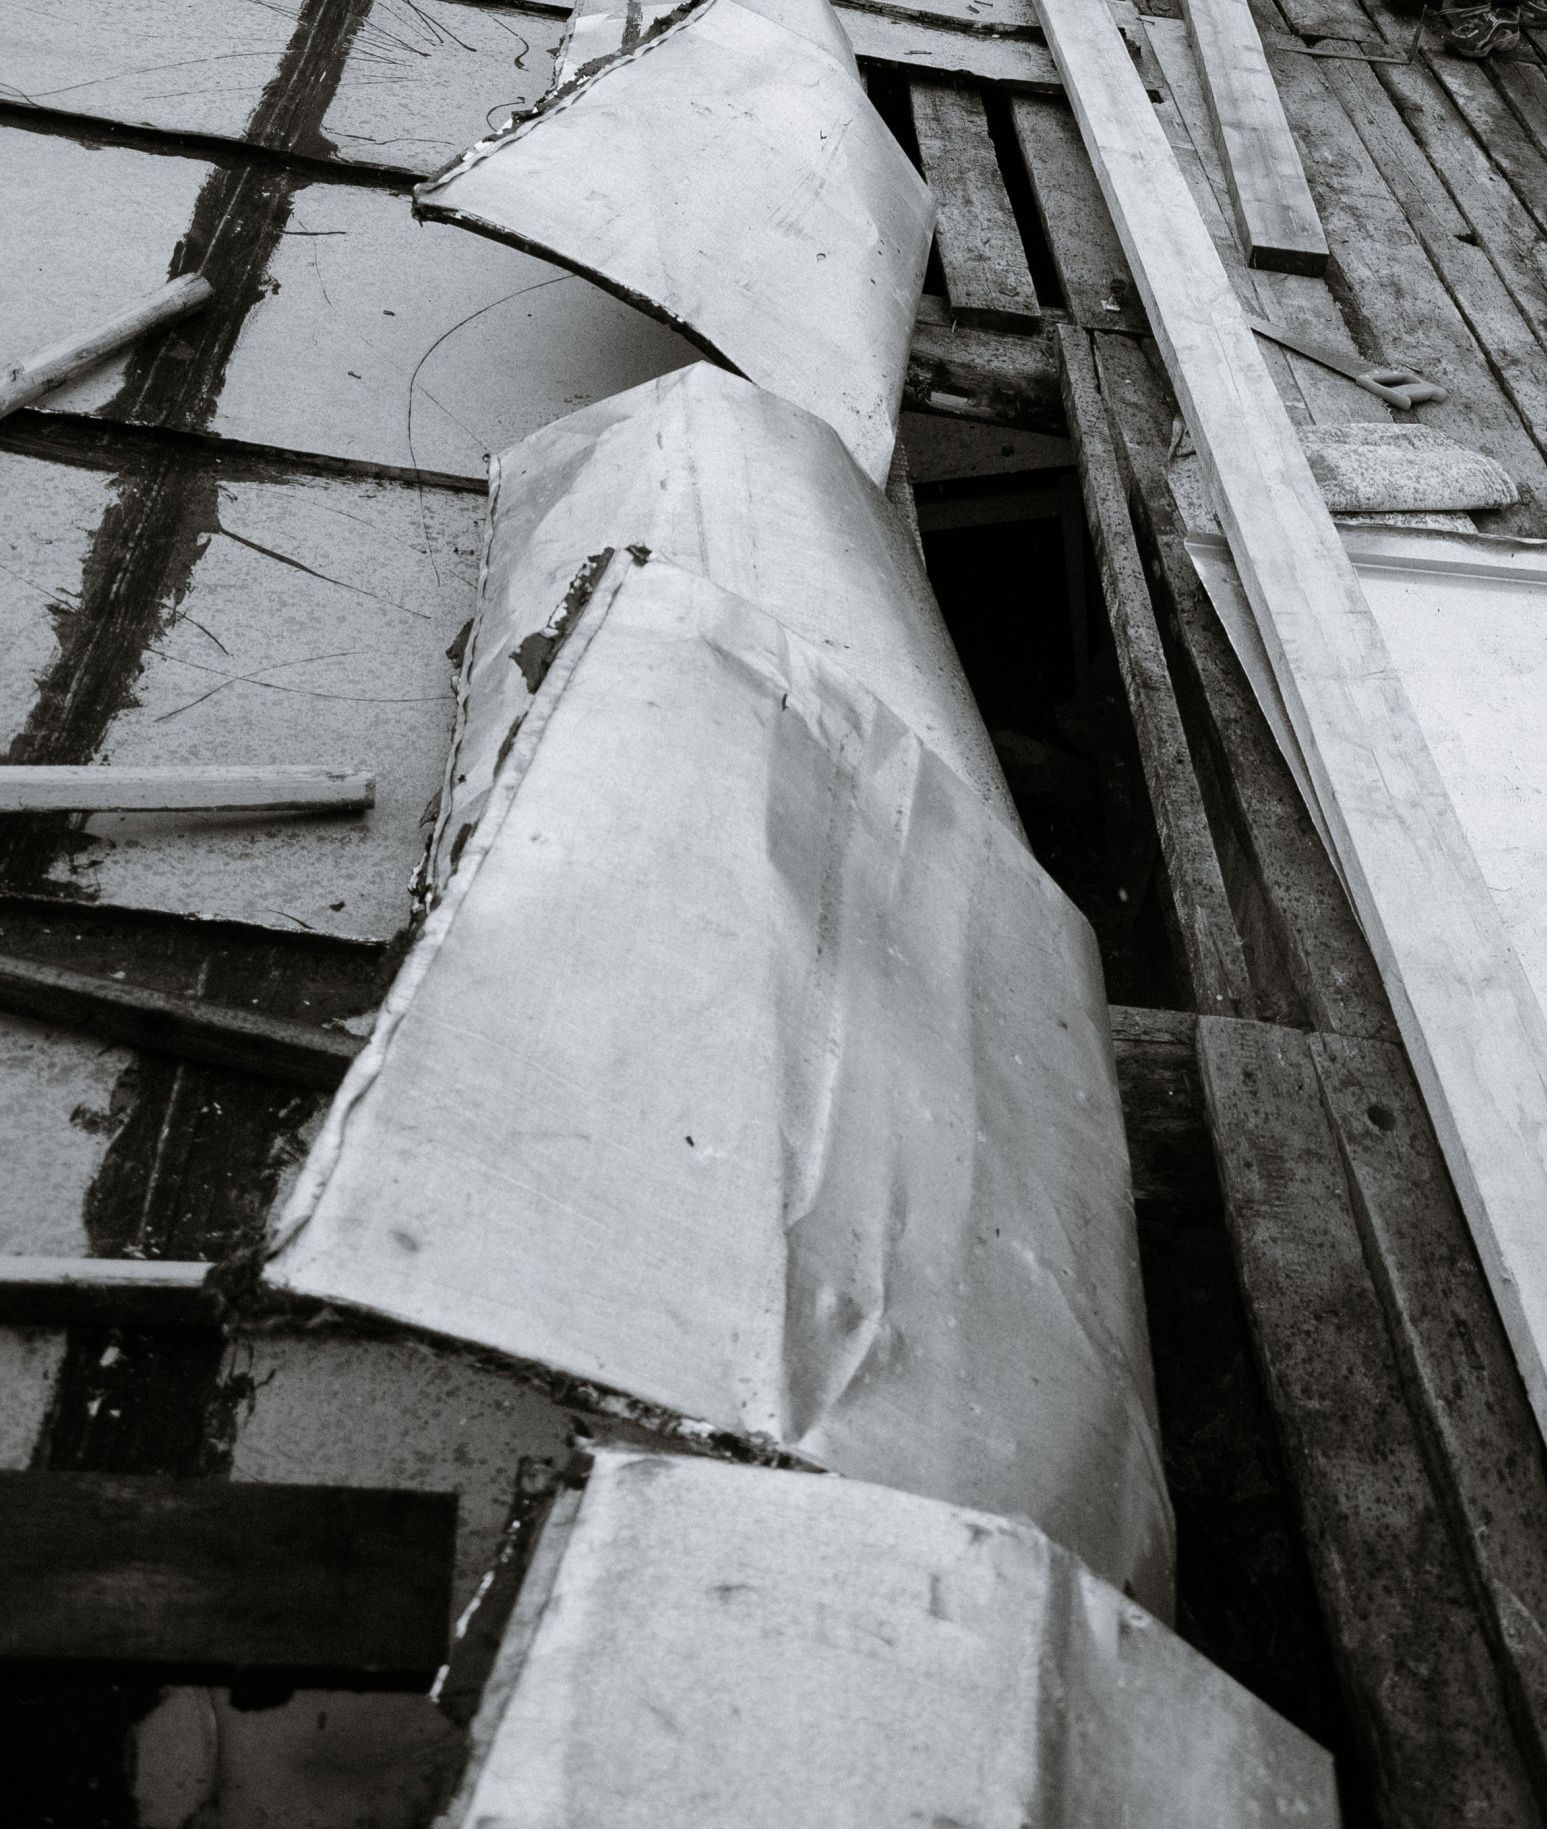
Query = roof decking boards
x=1469 y=1017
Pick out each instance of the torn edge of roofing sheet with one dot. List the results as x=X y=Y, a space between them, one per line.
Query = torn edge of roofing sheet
x=701 y=1644
x=752 y=1067
x=725 y=171
x=728 y=481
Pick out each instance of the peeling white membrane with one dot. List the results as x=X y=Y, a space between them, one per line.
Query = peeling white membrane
x=730 y=175
x=757 y=496
x=751 y=1067
x=709 y=1645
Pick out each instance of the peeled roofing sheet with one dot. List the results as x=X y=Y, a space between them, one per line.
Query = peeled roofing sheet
x=760 y=498
x=729 y=175
x=751 y=1067
x=709 y=1645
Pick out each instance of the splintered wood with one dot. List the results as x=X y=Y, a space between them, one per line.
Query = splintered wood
x=1278 y=221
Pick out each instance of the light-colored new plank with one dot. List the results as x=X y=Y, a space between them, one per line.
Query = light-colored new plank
x=1471 y=1023
x=1279 y=224
x=986 y=275
x=94 y=789
x=23 y=382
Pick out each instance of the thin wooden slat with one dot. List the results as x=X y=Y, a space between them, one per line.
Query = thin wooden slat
x=208 y=1581
x=912 y=44
x=1484 y=1447
x=1200 y=908
x=1098 y=289
x=297 y=1053
x=26 y=788
x=1471 y=1022
x=986 y=275
x=23 y=382
x=1278 y=221
x=1309 y=960
x=1421 y=1687
x=105 y=1292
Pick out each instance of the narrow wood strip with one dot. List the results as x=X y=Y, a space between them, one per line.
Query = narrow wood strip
x=1421 y=1687
x=105 y=1292
x=1484 y=1450
x=986 y=276
x=1098 y=289
x=1279 y=225
x=209 y=1581
x=87 y=788
x=296 y=1053
x=1199 y=906
x=23 y=382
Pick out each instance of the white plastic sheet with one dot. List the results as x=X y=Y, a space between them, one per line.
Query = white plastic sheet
x=751 y=1067
x=729 y=174
x=710 y=1645
x=759 y=497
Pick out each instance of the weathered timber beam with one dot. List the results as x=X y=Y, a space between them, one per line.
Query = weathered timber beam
x=210 y=1581
x=1418 y=1678
x=1198 y=906
x=984 y=375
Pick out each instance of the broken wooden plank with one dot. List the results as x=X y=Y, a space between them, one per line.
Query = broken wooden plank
x=1278 y=222
x=908 y=44
x=206 y=1581
x=986 y=276
x=1199 y=907
x=984 y=375
x=23 y=382
x=1097 y=286
x=297 y=1053
x=1422 y=1690
x=1473 y=1026
x=1484 y=1449
x=94 y=788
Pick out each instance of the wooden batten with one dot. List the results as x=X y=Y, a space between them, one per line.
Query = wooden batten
x=1277 y=219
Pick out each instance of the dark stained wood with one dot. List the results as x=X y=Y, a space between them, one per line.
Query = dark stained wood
x=186 y=1580
x=1415 y=1667
x=105 y=1291
x=1098 y=289
x=986 y=276
x=1308 y=958
x=1157 y=1075
x=1199 y=908
x=297 y=1053
x=1484 y=1449
x=984 y=375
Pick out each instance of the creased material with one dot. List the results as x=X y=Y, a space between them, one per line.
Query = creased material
x=728 y=174
x=725 y=480
x=752 y=1067
x=714 y=1645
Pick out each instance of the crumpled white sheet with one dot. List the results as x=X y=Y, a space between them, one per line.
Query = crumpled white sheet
x=752 y=1067
x=729 y=175
x=730 y=482
x=707 y=1645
